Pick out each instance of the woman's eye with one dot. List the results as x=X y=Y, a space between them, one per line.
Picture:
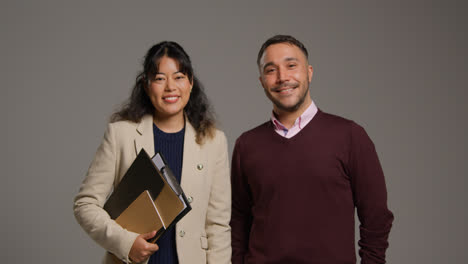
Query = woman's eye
x=180 y=77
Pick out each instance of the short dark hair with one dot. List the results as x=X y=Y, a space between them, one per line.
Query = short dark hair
x=198 y=109
x=281 y=39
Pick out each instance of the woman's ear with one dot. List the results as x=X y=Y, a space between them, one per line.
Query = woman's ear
x=146 y=83
x=191 y=84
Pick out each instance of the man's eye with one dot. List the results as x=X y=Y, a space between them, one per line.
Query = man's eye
x=270 y=70
x=292 y=65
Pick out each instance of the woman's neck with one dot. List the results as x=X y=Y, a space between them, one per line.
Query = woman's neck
x=171 y=124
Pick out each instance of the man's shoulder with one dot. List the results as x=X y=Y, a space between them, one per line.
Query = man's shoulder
x=332 y=118
x=337 y=122
x=342 y=126
x=255 y=132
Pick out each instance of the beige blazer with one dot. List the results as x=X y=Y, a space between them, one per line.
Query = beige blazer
x=203 y=235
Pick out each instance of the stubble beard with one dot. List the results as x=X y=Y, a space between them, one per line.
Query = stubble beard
x=292 y=108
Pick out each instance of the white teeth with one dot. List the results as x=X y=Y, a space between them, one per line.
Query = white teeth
x=287 y=90
x=170 y=98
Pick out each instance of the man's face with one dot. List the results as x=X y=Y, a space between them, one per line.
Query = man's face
x=285 y=75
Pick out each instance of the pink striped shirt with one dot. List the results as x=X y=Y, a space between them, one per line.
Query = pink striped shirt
x=300 y=122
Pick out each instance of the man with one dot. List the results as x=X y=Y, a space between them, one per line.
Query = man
x=298 y=178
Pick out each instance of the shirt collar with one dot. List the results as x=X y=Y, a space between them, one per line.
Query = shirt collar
x=300 y=122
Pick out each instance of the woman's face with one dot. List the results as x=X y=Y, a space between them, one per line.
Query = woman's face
x=169 y=90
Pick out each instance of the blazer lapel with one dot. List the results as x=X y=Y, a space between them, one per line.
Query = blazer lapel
x=192 y=156
x=191 y=159
x=145 y=137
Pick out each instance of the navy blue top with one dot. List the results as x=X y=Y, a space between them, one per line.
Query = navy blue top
x=171 y=145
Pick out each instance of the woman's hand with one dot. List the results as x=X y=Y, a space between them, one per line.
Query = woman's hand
x=141 y=249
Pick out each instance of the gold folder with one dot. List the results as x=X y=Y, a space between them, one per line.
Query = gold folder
x=159 y=204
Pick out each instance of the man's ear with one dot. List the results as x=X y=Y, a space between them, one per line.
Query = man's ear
x=261 y=80
x=310 y=71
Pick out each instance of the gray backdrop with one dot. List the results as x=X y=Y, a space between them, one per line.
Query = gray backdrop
x=398 y=68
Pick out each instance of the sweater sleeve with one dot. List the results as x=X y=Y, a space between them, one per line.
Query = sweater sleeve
x=370 y=197
x=241 y=218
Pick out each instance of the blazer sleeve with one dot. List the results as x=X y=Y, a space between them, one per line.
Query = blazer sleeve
x=89 y=202
x=219 y=206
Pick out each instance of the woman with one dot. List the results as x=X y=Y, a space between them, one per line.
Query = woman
x=166 y=112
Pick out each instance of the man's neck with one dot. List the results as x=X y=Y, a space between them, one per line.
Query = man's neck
x=288 y=118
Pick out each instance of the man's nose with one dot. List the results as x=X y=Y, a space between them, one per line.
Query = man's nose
x=282 y=75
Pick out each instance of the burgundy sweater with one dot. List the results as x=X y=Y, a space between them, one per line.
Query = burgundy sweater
x=294 y=199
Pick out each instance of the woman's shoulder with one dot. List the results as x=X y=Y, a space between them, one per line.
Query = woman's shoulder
x=218 y=138
x=122 y=127
x=123 y=124
x=218 y=133
x=128 y=127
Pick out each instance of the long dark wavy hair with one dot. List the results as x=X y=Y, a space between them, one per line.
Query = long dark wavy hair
x=198 y=109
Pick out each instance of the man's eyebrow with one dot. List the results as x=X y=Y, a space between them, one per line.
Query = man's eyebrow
x=288 y=59
x=267 y=64
x=291 y=59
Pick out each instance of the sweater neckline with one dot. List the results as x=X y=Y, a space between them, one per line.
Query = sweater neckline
x=168 y=136
x=299 y=134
